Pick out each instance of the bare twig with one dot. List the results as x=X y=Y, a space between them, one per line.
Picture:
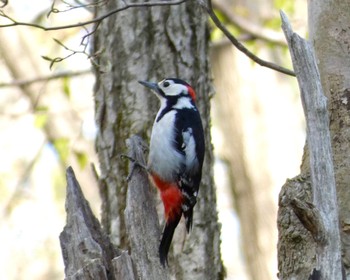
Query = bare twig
x=4 y=3
x=94 y=20
x=44 y=78
x=209 y=8
x=255 y=31
x=97 y=20
x=73 y=7
x=72 y=52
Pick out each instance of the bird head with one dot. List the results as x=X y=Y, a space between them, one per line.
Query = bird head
x=171 y=88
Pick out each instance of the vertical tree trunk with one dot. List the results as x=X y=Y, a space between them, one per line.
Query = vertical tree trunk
x=329 y=24
x=247 y=110
x=151 y=44
x=230 y=113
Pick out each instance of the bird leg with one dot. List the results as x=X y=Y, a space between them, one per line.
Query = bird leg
x=134 y=163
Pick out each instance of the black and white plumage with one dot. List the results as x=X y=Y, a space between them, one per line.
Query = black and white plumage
x=176 y=154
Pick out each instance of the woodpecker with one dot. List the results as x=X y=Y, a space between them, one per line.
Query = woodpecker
x=176 y=154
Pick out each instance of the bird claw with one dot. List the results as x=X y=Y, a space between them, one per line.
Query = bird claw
x=134 y=163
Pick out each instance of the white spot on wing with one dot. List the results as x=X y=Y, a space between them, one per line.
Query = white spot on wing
x=190 y=149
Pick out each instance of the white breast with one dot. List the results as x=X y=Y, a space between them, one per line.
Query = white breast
x=164 y=160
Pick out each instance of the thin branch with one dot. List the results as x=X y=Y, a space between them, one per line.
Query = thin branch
x=88 y=34
x=208 y=8
x=18 y=83
x=72 y=52
x=239 y=46
x=4 y=3
x=72 y=7
x=248 y=27
x=95 y=20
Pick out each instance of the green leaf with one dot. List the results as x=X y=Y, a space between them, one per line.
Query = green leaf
x=82 y=159
x=46 y=57
x=66 y=86
x=59 y=43
x=40 y=120
x=62 y=147
x=41 y=109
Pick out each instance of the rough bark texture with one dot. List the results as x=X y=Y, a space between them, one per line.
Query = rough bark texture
x=141 y=217
x=329 y=25
x=320 y=217
x=87 y=251
x=296 y=247
x=151 y=44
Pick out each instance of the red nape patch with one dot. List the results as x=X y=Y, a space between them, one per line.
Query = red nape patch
x=192 y=93
x=171 y=196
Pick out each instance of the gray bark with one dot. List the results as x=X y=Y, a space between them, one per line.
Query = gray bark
x=296 y=246
x=141 y=218
x=320 y=217
x=87 y=251
x=329 y=23
x=151 y=44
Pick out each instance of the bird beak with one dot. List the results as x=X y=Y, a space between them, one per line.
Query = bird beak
x=152 y=86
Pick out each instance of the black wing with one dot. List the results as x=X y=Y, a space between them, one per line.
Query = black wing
x=189 y=141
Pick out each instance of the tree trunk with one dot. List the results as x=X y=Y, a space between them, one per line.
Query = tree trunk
x=329 y=23
x=299 y=251
x=253 y=119
x=243 y=178
x=151 y=44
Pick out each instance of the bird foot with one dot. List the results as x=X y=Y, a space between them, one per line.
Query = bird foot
x=134 y=163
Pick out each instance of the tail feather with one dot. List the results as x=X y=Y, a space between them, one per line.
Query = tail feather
x=167 y=237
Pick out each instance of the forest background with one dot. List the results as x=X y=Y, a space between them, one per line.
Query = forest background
x=47 y=123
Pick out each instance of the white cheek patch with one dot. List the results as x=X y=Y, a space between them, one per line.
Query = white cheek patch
x=173 y=89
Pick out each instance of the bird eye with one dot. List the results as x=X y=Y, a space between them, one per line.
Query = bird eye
x=166 y=84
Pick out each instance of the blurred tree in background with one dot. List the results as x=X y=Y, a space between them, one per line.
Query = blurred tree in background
x=47 y=123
